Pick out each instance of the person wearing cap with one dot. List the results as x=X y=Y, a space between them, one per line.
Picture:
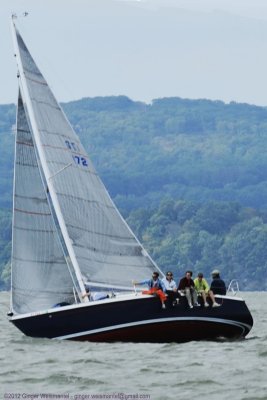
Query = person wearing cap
x=203 y=289
x=217 y=285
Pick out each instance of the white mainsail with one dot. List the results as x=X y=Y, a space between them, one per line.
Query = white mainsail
x=40 y=275
x=102 y=248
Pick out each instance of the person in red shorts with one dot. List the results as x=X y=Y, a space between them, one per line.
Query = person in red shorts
x=155 y=286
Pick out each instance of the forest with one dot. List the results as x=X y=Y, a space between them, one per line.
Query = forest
x=188 y=175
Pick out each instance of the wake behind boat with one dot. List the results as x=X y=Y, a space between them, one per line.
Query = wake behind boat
x=67 y=233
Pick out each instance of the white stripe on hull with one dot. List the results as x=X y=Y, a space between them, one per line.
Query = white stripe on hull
x=240 y=325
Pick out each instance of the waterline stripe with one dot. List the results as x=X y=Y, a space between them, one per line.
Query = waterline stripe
x=153 y=321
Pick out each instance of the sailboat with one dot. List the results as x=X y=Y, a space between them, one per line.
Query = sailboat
x=67 y=235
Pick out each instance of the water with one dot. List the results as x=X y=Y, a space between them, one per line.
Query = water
x=32 y=368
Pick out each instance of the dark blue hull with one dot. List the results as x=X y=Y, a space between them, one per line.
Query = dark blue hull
x=139 y=319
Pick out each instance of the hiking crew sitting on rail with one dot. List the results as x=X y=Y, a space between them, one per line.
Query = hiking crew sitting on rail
x=155 y=286
x=217 y=284
x=203 y=289
x=171 y=289
x=94 y=296
x=187 y=286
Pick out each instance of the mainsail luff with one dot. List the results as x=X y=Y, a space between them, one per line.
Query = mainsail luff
x=103 y=249
x=24 y=90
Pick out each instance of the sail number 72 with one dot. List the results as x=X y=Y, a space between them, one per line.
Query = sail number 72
x=79 y=160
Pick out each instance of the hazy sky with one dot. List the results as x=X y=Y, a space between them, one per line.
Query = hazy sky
x=144 y=49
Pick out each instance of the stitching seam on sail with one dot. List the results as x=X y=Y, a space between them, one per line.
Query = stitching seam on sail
x=64 y=149
x=25 y=165
x=25 y=144
x=23 y=130
x=38 y=261
x=71 y=196
x=35 y=80
x=34 y=230
x=110 y=235
x=110 y=263
x=32 y=212
x=58 y=134
x=37 y=199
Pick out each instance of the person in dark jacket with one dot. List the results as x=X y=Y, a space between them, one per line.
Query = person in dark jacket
x=187 y=286
x=217 y=284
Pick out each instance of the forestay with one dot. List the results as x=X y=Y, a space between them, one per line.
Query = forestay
x=105 y=248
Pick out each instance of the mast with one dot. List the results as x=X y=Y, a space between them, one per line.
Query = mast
x=13 y=206
x=49 y=178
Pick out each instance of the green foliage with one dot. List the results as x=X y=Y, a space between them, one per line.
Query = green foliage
x=217 y=218
x=197 y=150
x=247 y=242
x=184 y=235
x=208 y=154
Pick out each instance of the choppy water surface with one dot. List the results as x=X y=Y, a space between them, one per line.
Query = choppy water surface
x=42 y=368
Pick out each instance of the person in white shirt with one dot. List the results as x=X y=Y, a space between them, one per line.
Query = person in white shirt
x=171 y=289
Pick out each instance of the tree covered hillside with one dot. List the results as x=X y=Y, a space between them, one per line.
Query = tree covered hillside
x=189 y=175
x=190 y=149
x=197 y=150
x=183 y=235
